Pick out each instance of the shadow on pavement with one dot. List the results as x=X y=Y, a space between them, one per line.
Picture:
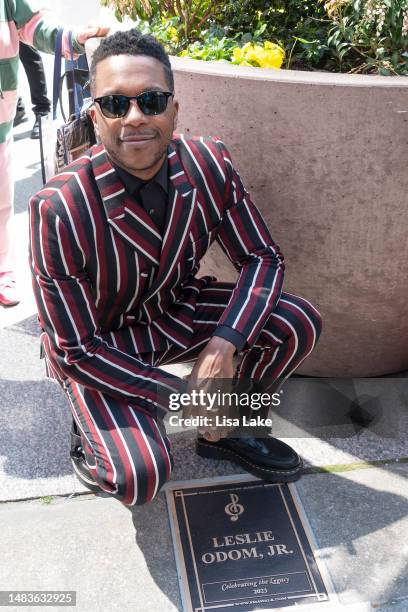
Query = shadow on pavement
x=26 y=327
x=360 y=530
x=23 y=135
x=34 y=429
x=153 y=538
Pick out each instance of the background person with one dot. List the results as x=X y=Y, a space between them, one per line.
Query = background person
x=20 y=22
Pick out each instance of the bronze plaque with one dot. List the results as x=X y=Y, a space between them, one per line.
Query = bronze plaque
x=244 y=544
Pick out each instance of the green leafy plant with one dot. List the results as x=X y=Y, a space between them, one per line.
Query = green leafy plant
x=214 y=48
x=188 y=16
x=300 y=27
x=333 y=35
x=370 y=36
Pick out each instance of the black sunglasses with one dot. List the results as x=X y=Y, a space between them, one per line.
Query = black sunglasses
x=149 y=102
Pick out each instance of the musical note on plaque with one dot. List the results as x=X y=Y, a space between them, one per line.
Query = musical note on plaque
x=234 y=509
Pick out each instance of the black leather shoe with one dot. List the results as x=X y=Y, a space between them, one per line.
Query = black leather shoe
x=20 y=115
x=78 y=461
x=35 y=132
x=267 y=458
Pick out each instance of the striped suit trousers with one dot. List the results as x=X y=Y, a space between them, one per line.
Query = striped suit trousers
x=126 y=447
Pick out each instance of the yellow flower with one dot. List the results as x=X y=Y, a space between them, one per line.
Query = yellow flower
x=237 y=54
x=269 y=55
x=263 y=59
x=173 y=34
x=254 y=54
x=273 y=55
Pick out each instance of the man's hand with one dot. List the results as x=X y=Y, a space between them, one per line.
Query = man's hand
x=214 y=362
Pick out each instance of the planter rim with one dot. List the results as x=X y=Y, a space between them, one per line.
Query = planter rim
x=186 y=64
x=221 y=69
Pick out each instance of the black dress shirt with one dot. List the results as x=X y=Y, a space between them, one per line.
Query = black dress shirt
x=153 y=195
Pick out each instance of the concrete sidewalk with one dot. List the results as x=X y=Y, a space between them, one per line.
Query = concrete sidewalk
x=117 y=559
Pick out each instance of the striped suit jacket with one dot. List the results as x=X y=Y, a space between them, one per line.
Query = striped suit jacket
x=109 y=287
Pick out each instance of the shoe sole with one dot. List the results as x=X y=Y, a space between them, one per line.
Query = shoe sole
x=203 y=449
x=88 y=483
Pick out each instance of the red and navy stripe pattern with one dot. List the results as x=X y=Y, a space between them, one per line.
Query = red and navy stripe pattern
x=109 y=287
x=128 y=451
x=117 y=300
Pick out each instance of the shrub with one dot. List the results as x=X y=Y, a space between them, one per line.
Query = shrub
x=299 y=26
x=370 y=35
x=188 y=17
x=193 y=28
x=213 y=49
x=333 y=35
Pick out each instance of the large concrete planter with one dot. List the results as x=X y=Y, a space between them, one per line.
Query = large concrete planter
x=324 y=157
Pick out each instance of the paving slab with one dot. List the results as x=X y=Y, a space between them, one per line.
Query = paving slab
x=360 y=521
x=113 y=558
x=117 y=558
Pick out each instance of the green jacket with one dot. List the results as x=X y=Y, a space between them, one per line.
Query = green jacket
x=19 y=21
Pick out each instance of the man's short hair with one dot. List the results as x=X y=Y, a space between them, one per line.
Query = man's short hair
x=131 y=42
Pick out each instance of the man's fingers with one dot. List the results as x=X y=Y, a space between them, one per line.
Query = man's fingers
x=211 y=436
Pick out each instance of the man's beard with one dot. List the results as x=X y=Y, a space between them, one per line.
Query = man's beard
x=129 y=165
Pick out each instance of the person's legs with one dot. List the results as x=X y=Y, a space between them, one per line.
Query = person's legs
x=288 y=337
x=6 y=206
x=34 y=69
x=8 y=292
x=126 y=448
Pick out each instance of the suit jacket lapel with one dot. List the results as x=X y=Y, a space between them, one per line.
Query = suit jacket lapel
x=132 y=223
x=181 y=202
